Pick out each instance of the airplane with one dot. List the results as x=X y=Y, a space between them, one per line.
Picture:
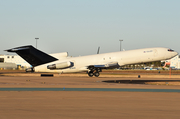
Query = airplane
x=92 y=64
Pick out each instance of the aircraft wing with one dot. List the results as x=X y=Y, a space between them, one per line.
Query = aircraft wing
x=104 y=66
x=32 y=55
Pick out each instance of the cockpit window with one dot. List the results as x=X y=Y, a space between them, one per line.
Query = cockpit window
x=170 y=50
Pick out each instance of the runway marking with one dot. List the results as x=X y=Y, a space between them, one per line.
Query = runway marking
x=91 y=89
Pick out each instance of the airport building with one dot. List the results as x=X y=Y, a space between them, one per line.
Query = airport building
x=146 y=66
x=5 y=61
x=8 y=66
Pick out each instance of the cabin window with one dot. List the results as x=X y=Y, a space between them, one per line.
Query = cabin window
x=7 y=56
x=12 y=56
x=103 y=58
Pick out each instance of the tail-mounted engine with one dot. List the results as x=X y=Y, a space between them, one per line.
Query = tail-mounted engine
x=30 y=69
x=62 y=65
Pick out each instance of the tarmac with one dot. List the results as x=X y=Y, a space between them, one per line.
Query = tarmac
x=77 y=96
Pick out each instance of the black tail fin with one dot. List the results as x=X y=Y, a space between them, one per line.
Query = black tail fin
x=32 y=55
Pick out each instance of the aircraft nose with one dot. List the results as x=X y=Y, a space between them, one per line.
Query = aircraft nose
x=176 y=53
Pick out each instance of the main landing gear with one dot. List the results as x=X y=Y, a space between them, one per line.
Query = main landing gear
x=94 y=72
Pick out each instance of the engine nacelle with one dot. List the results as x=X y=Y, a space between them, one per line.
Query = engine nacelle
x=29 y=70
x=62 y=65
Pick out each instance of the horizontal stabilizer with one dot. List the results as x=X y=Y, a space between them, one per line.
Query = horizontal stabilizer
x=32 y=55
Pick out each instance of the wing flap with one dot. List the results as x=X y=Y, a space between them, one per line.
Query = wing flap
x=105 y=66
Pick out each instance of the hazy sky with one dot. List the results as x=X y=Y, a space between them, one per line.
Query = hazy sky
x=80 y=26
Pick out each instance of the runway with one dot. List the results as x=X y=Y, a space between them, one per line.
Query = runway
x=79 y=97
x=87 y=82
x=91 y=89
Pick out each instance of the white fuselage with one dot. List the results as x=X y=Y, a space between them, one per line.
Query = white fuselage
x=123 y=58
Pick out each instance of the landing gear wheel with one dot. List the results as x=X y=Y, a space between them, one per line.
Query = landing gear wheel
x=96 y=74
x=90 y=74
